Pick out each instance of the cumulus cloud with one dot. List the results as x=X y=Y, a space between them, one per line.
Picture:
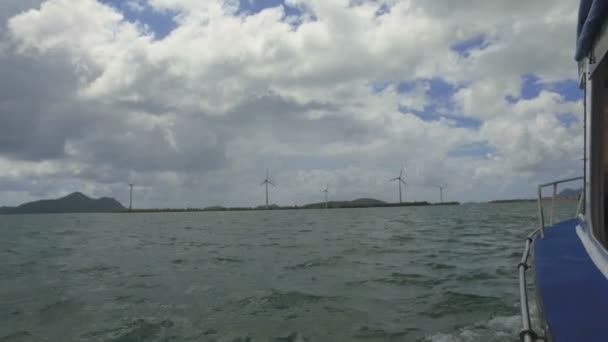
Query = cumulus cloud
x=340 y=92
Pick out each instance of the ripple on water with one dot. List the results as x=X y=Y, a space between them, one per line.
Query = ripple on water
x=134 y=331
x=440 y=266
x=229 y=260
x=19 y=336
x=366 y=332
x=378 y=250
x=454 y=303
x=293 y=337
x=66 y=232
x=61 y=307
x=331 y=261
x=402 y=239
x=97 y=269
x=497 y=329
x=474 y=276
x=406 y=279
x=281 y=300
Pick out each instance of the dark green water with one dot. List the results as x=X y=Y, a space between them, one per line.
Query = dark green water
x=386 y=274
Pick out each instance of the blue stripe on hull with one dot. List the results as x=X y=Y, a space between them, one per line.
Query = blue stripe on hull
x=573 y=293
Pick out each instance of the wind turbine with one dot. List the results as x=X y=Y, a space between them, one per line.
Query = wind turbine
x=326 y=191
x=441 y=187
x=399 y=181
x=266 y=182
x=130 y=196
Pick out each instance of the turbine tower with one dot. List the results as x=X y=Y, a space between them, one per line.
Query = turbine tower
x=326 y=191
x=130 y=196
x=399 y=181
x=266 y=182
x=441 y=187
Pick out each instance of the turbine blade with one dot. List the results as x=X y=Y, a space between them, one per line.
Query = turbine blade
x=401 y=173
x=264 y=182
x=394 y=179
x=271 y=183
x=402 y=181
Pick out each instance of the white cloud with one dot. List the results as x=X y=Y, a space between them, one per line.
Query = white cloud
x=226 y=94
x=136 y=5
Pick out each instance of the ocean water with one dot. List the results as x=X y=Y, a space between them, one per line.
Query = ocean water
x=382 y=274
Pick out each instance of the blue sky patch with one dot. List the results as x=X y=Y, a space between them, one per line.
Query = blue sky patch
x=511 y=99
x=476 y=150
x=569 y=89
x=533 y=85
x=440 y=105
x=441 y=89
x=438 y=88
x=405 y=87
x=383 y=9
x=421 y=114
x=256 y=6
x=160 y=23
x=464 y=47
x=465 y=122
x=457 y=121
x=379 y=86
x=568 y=119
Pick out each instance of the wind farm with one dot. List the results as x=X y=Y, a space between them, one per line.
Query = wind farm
x=267 y=183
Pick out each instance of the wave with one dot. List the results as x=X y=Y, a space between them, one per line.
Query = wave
x=402 y=239
x=440 y=266
x=497 y=329
x=455 y=303
x=366 y=332
x=281 y=300
x=21 y=336
x=229 y=260
x=137 y=330
x=331 y=261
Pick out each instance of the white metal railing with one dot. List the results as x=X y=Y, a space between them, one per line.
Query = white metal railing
x=541 y=212
x=527 y=334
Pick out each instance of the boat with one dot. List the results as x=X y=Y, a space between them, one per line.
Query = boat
x=569 y=259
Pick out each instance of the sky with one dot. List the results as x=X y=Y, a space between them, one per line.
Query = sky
x=192 y=100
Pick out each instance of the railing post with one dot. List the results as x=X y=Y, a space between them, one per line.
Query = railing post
x=553 y=202
x=540 y=213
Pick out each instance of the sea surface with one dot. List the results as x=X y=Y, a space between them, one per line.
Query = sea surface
x=382 y=274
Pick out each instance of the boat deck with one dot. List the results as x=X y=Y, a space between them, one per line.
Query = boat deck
x=571 y=290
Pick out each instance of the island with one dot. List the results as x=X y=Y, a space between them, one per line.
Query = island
x=357 y=203
x=76 y=202
x=566 y=194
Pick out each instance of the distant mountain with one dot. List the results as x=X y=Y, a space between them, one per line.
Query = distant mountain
x=74 y=203
x=358 y=203
x=270 y=206
x=570 y=193
x=6 y=210
x=215 y=208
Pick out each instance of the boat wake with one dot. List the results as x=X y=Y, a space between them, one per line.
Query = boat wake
x=498 y=329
